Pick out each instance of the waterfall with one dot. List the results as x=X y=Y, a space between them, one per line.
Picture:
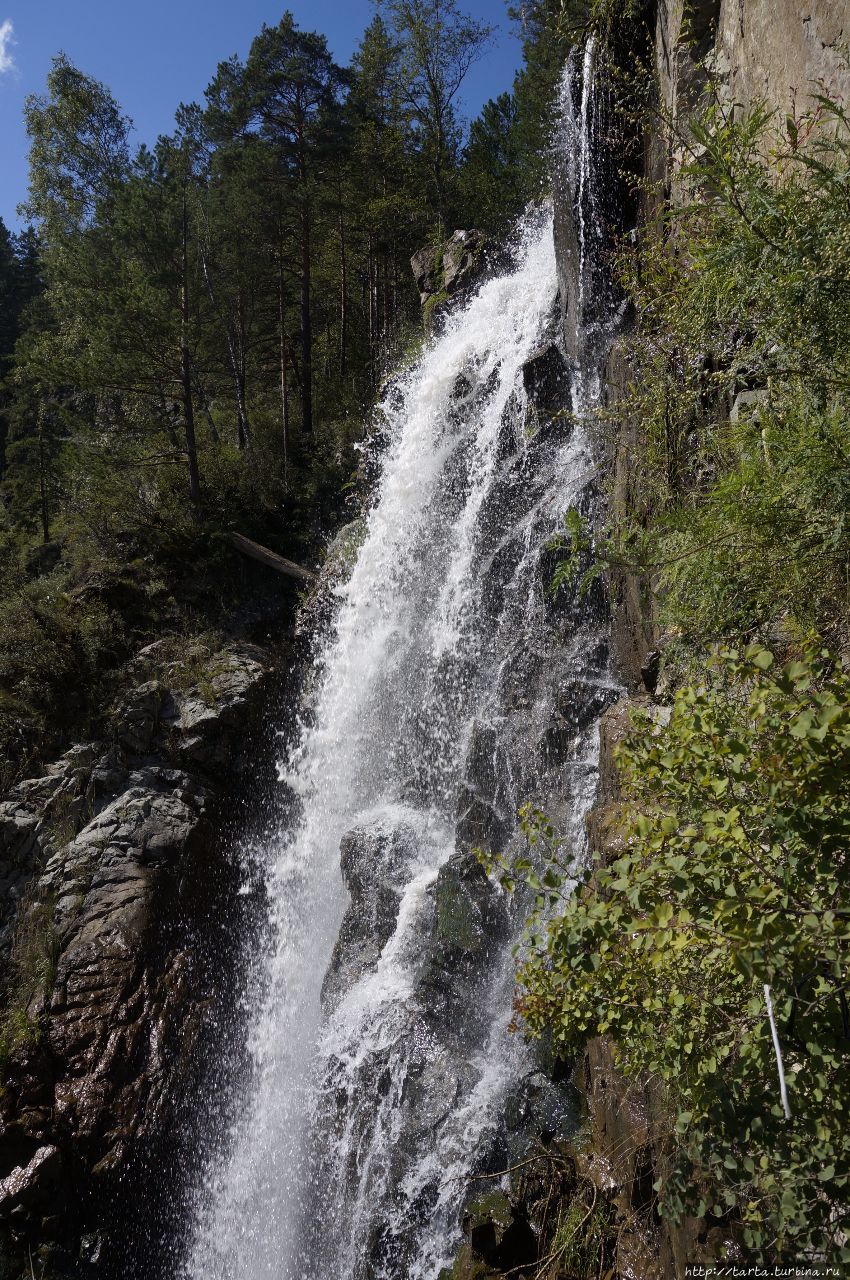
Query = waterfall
x=451 y=688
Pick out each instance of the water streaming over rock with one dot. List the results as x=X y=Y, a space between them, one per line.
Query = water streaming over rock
x=452 y=687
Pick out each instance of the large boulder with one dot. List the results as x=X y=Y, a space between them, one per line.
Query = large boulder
x=374 y=860
x=206 y=722
x=469 y=926
x=444 y=272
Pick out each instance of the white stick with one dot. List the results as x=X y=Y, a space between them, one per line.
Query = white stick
x=782 y=1090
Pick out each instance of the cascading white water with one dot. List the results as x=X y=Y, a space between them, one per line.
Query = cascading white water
x=364 y=1122
x=577 y=140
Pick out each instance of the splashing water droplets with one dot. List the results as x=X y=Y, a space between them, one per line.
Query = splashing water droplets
x=373 y=1102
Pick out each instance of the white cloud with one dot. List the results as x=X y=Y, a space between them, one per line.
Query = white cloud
x=7 y=39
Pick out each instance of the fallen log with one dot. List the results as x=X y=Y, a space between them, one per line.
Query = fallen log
x=270 y=558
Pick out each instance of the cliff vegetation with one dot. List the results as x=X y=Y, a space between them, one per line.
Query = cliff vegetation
x=707 y=942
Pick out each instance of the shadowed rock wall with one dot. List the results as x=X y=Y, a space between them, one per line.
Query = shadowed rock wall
x=119 y=900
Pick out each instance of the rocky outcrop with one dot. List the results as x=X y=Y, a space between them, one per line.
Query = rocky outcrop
x=374 y=861
x=112 y=873
x=778 y=51
x=445 y=273
x=743 y=50
x=634 y=628
x=775 y=51
x=317 y=609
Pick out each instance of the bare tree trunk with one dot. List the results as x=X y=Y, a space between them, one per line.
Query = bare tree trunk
x=42 y=482
x=284 y=379
x=207 y=411
x=186 y=361
x=370 y=272
x=236 y=353
x=343 y=286
x=240 y=375
x=3 y=436
x=385 y=289
x=306 y=322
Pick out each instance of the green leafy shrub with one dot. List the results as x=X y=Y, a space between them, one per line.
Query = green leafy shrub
x=734 y=876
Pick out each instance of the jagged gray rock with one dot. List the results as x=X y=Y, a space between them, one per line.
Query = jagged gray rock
x=374 y=860
x=31 y=1184
x=443 y=271
x=100 y=861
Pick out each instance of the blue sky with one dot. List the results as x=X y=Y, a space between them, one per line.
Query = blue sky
x=155 y=54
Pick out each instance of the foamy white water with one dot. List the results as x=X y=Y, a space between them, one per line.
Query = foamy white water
x=364 y=1123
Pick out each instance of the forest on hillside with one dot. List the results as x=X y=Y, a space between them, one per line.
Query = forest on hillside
x=193 y=333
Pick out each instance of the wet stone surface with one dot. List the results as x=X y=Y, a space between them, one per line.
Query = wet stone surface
x=108 y=868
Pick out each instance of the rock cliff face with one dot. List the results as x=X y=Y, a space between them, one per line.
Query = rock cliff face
x=784 y=54
x=114 y=886
x=778 y=50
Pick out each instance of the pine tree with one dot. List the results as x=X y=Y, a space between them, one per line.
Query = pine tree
x=390 y=217
x=288 y=90
x=439 y=44
x=493 y=183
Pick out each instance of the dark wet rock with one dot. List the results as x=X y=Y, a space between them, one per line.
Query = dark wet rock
x=33 y=1184
x=487 y=1221
x=468 y=914
x=650 y=670
x=469 y=1267
x=499 y=1232
x=485 y=760
x=469 y=924
x=499 y=1239
x=546 y=378
x=103 y=860
x=374 y=861
x=480 y=825
x=484 y=805
x=432 y=1090
x=540 y=1111
x=578 y=704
